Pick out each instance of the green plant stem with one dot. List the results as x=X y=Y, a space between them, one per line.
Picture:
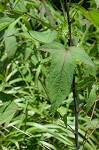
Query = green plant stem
x=70 y=43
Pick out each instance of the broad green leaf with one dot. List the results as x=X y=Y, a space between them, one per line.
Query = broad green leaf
x=45 y=37
x=61 y=71
x=19 y=6
x=79 y=54
x=4 y=22
x=7 y=111
x=91 y=99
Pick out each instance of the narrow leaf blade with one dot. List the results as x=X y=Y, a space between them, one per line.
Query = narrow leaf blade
x=91 y=99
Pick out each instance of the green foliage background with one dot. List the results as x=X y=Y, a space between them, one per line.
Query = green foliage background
x=26 y=27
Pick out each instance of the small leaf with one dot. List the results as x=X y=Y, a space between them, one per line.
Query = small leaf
x=45 y=37
x=27 y=23
x=10 y=46
x=47 y=145
x=93 y=16
x=65 y=119
x=10 y=41
x=19 y=6
x=90 y=70
x=4 y=22
x=97 y=3
x=62 y=110
x=94 y=123
x=7 y=112
x=91 y=99
x=1 y=77
x=27 y=53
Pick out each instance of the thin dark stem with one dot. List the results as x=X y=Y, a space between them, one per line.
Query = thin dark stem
x=70 y=43
x=76 y=112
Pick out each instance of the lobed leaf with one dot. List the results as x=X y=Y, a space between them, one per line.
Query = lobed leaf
x=61 y=71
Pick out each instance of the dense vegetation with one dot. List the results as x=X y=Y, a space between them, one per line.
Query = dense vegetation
x=34 y=115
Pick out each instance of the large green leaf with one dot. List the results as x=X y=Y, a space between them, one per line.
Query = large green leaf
x=4 y=22
x=62 y=69
x=61 y=73
x=60 y=77
x=45 y=37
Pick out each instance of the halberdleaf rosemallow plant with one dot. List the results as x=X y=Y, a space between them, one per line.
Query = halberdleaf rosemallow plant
x=25 y=121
